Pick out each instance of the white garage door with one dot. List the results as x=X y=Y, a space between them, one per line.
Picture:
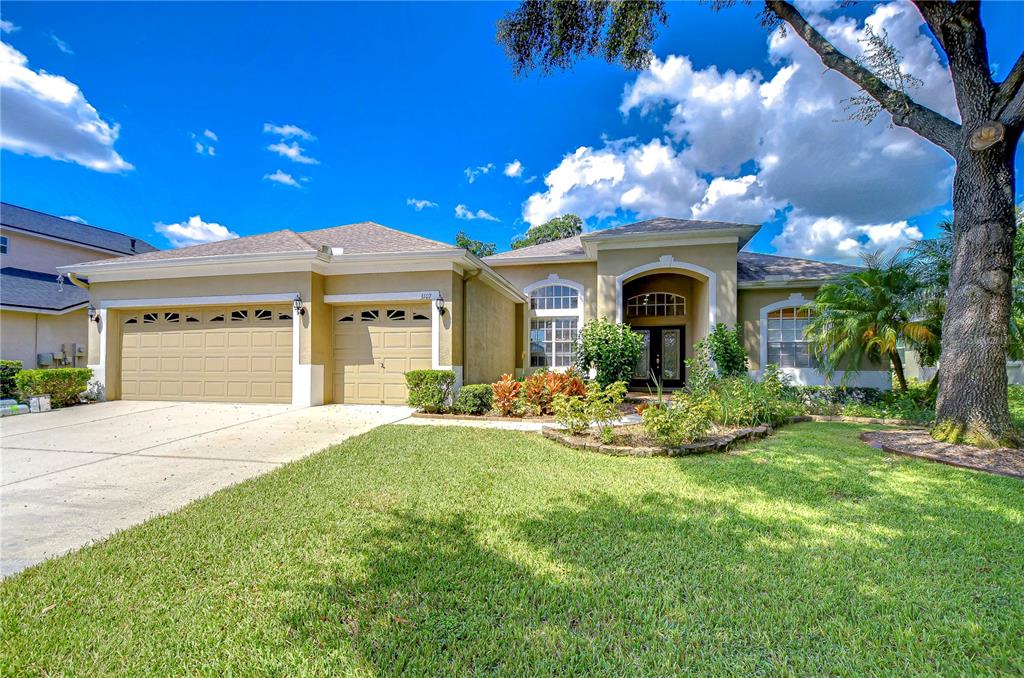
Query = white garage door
x=374 y=346
x=225 y=354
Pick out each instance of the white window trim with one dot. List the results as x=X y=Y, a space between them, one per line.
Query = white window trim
x=307 y=380
x=549 y=313
x=668 y=261
x=435 y=319
x=812 y=376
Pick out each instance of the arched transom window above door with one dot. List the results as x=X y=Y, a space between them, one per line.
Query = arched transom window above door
x=651 y=304
x=554 y=297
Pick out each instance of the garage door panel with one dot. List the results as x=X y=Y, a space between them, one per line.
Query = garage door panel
x=200 y=354
x=374 y=350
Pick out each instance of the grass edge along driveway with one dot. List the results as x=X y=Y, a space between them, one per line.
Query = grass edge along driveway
x=456 y=550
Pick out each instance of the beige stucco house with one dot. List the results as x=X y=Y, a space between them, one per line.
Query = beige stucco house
x=340 y=314
x=43 y=322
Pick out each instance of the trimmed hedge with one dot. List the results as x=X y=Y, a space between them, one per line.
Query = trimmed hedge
x=475 y=399
x=8 y=370
x=63 y=384
x=430 y=390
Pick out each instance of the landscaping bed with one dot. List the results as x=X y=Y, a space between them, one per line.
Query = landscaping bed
x=634 y=441
x=1003 y=461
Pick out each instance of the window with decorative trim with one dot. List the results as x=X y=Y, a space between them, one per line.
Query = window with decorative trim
x=787 y=345
x=655 y=304
x=553 y=342
x=554 y=297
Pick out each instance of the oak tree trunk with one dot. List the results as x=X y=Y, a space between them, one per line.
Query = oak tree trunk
x=972 y=400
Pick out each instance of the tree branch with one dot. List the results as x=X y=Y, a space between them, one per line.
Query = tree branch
x=1009 y=104
x=905 y=112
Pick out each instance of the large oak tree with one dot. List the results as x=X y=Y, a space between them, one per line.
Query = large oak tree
x=547 y=35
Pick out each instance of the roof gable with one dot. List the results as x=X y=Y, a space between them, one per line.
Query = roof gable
x=267 y=243
x=31 y=221
x=368 y=237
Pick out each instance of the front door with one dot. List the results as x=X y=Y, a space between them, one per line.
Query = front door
x=661 y=360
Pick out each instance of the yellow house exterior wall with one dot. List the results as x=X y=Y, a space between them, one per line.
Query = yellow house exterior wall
x=490 y=345
x=749 y=305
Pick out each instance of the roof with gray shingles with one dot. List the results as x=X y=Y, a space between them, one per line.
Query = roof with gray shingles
x=755 y=267
x=574 y=245
x=362 y=238
x=32 y=290
x=24 y=219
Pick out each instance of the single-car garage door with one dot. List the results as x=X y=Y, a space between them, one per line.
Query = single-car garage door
x=225 y=354
x=374 y=346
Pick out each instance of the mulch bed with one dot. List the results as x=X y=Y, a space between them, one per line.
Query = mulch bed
x=1003 y=461
x=714 y=443
x=482 y=417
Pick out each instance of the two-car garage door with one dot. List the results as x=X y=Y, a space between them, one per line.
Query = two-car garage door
x=228 y=354
x=244 y=353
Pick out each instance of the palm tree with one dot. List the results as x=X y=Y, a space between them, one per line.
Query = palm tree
x=866 y=315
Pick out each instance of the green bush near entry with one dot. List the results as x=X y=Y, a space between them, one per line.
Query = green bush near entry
x=612 y=349
x=474 y=399
x=64 y=385
x=430 y=390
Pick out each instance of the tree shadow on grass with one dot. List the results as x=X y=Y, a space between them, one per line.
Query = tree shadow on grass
x=655 y=584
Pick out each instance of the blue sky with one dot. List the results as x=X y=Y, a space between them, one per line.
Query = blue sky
x=403 y=98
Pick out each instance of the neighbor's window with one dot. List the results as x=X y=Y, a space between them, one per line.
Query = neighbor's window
x=3 y=244
x=787 y=346
x=552 y=342
x=551 y=297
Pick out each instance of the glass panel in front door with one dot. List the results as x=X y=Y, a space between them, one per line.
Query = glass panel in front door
x=643 y=366
x=670 y=354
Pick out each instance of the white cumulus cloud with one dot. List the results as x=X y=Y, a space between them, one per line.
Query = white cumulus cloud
x=741 y=146
x=75 y=218
x=293 y=152
x=282 y=178
x=514 y=169
x=287 y=131
x=195 y=231
x=472 y=173
x=8 y=26
x=463 y=212
x=46 y=115
x=210 y=135
x=419 y=205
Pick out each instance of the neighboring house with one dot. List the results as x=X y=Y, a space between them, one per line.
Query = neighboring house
x=340 y=314
x=43 y=322
x=914 y=368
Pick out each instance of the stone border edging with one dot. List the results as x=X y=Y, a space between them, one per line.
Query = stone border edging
x=855 y=420
x=482 y=417
x=710 y=445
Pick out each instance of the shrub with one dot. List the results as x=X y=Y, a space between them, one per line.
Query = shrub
x=571 y=413
x=686 y=419
x=474 y=399
x=506 y=396
x=567 y=383
x=64 y=385
x=8 y=369
x=535 y=393
x=611 y=348
x=600 y=405
x=701 y=377
x=726 y=348
x=742 y=401
x=430 y=390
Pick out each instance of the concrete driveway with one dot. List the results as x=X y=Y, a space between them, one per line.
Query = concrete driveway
x=77 y=475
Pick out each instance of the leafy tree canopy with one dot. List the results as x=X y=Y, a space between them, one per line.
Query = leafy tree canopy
x=477 y=247
x=565 y=226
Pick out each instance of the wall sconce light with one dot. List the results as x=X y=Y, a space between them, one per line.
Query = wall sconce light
x=297 y=305
x=439 y=304
x=93 y=315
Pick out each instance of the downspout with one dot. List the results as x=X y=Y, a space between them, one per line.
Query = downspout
x=76 y=282
x=465 y=321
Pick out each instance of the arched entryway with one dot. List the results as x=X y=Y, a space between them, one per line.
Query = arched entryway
x=668 y=308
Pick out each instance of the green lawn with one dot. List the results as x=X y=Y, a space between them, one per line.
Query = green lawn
x=464 y=551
